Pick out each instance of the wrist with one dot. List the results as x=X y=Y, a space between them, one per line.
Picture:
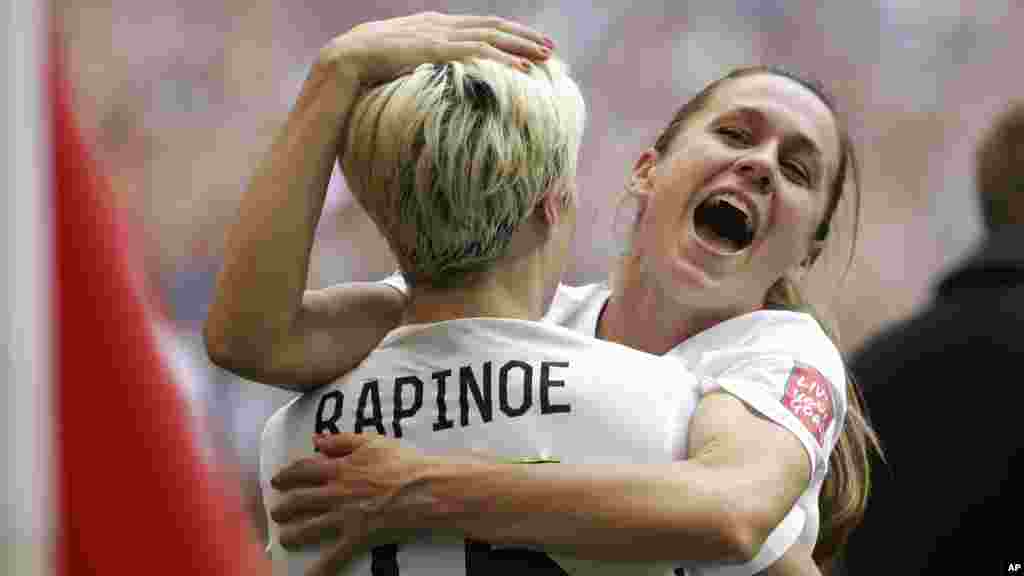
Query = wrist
x=339 y=62
x=445 y=489
x=330 y=88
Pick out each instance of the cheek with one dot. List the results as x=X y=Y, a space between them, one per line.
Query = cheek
x=651 y=230
x=699 y=159
x=655 y=234
x=797 y=216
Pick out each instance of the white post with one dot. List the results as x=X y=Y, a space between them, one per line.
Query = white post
x=26 y=487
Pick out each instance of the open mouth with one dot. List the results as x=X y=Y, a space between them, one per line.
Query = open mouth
x=724 y=223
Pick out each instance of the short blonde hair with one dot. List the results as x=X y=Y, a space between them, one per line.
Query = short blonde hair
x=451 y=158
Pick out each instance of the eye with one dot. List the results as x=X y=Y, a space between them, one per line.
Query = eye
x=734 y=136
x=796 y=172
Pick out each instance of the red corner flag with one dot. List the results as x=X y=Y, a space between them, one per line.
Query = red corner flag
x=134 y=496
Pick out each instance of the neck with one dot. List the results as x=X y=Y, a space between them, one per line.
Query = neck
x=513 y=289
x=642 y=316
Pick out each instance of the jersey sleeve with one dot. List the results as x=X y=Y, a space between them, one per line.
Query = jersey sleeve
x=396 y=281
x=807 y=400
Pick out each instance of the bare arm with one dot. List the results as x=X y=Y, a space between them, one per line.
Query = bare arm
x=263 y=323
x=719 y=505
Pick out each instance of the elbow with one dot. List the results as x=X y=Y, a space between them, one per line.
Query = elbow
x=217 y=347
x=250 y=362
x=745 y=528
x=224 y=351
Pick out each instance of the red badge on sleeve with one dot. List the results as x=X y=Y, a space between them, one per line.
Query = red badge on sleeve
x=809 y=397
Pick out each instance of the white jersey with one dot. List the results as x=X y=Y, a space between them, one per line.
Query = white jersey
x=781 y=364
x=507 y=388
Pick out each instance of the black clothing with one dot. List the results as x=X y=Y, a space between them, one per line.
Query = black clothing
x=944 y=392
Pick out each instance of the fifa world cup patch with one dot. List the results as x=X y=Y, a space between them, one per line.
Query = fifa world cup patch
x=809 y=397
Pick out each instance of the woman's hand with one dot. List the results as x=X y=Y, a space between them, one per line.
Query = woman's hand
x=362 y=490
x=377 y=52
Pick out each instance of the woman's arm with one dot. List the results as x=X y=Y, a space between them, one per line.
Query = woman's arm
x=744 y=476
x=263 y=323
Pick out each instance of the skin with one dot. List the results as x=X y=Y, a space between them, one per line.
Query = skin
x=726 y=488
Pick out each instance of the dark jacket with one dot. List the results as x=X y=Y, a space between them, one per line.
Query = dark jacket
x=944 y=392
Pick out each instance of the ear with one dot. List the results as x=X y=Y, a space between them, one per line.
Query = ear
x=551 y=207
x=641 y=179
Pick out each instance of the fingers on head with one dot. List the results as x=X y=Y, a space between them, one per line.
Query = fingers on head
x=501 y=24
x=507 y=42
x=489 y=37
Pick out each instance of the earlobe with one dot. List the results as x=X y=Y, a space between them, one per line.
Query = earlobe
x=641 y=179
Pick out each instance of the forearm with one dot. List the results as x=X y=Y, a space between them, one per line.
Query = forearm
x=259 y=291
x=719 y=505
x=634 y=512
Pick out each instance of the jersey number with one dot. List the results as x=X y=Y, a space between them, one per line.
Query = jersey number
x=481 y=560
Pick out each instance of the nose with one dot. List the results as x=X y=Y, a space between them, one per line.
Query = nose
x=757 y=171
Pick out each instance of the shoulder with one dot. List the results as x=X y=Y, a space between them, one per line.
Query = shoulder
x=799 y=335
x=503 y=339
x=474 y=334
x=792 y=349
x=768 y=336
x=783 y=365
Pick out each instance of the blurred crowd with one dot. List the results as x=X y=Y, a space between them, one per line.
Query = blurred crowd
x=180 y=99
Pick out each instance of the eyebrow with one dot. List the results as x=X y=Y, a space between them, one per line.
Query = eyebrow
x=799 y=140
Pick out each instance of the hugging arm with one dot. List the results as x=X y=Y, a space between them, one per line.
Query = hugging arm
x=263 y=323
x=719 y=505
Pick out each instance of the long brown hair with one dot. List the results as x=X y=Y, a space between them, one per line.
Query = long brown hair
x=845 y=491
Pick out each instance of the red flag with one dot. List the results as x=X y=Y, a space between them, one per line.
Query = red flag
x=134 y=495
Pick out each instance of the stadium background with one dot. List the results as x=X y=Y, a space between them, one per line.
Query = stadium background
x=179 y=100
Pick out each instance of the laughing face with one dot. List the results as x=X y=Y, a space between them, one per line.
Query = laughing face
x=733 y=204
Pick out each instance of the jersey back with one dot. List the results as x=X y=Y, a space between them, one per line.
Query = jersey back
x=512 y=389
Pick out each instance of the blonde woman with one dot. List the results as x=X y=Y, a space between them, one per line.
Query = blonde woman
x=468 y=170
